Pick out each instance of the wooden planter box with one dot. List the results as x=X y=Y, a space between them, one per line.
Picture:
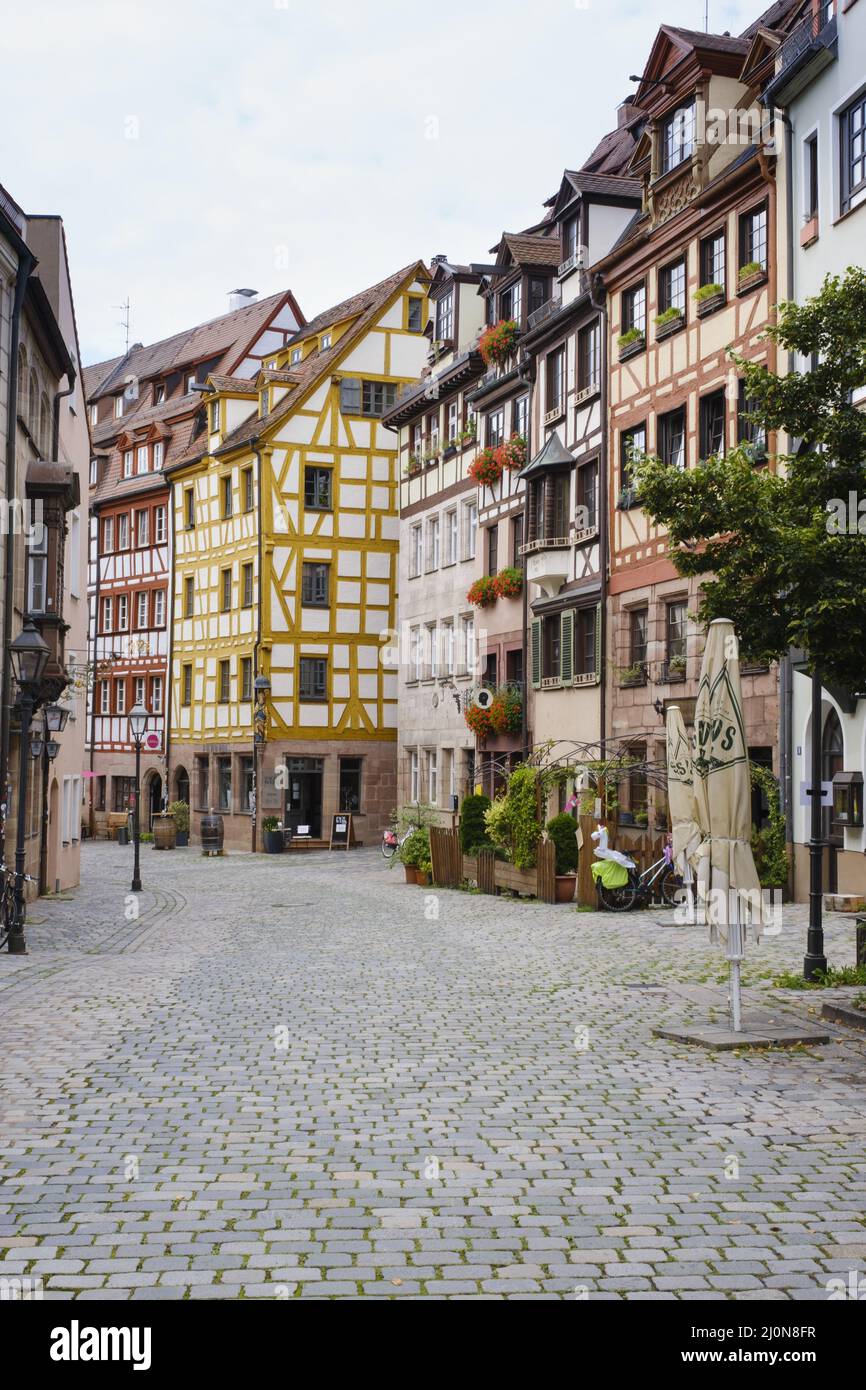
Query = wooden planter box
x=667 y=330
x=751 y=282
x=632 y=349
x=710 y=304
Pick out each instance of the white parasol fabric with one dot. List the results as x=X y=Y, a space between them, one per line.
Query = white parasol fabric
x=686 y=833
x=728 y=884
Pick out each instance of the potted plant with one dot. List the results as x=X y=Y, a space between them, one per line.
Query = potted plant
x=512 y=454
x=424 y=872
x=413 y=465
x=750 y=274
x=562 y=830
x=508 y=583
x=468 y=433
x=478 y=720
x=179 y=811
x=632 y=675
x=668 y=320
x=273 y=835
x=486 y=468
x=506 y=712
x=483 y=592
x=709 y=297
x=414 y=850
x=497 y=343
x=630 y=342
x=677 y=667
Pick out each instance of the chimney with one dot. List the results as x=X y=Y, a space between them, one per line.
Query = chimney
x=625 y=112
x=438 y=260
x=239 y=299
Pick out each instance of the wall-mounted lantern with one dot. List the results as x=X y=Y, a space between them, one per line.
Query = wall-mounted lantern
x=848 y=800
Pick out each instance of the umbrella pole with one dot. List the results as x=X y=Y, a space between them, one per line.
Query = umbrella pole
x=734 y=953
x=688 y=884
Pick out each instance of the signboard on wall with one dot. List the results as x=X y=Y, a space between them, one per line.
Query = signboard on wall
x=272 y=797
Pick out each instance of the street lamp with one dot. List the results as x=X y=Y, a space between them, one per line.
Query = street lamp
x=29 y=656
x=138 y=717
x=56 y=717
x=261 y=690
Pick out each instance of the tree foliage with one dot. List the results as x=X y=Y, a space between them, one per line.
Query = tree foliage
x=766 y=543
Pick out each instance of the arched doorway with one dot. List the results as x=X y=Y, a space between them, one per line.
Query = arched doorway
x=52 y=867
x=151 y=799
x=181 y=785
x=832 y=761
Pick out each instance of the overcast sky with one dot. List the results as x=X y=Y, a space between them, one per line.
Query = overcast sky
x=193 y=146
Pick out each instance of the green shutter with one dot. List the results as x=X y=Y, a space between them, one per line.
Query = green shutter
x=598 y=641
x=566 y=646
x=536 y=652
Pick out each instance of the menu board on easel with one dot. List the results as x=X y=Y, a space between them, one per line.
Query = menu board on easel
x=342 y=831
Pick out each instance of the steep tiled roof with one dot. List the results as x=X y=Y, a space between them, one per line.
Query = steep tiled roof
x=316 y=364
x=612 y=152
x=718 y=43
x=531 y=250
x=605 y=184
x=212 y=339
x=233 y=383
x=773 y=17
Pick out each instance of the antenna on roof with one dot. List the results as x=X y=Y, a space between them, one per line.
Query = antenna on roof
x=125 y=321
x=706 y=16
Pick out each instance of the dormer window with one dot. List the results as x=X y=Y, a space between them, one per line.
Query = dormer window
x=190 y=384
x=678 y=137
x=325 y=342
x=538 y=294
x=510 y=302
x=296 y=355
x=94 y=415
x=214 y=416
x=158 y=454
x=570 y=238
x=445 y=317
x=263 y=402
x=414 y=314
x=159 y=393
x=127 y=463
x=118 y=407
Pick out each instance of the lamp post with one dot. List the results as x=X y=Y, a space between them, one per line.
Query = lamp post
x=261 y=689
x=53 y=722
x=138 y=717
x=29 y=656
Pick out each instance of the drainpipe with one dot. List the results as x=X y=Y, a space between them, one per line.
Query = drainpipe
x=786 y=673
x=254 y=818
x=26 y=264
x=166 y=697
x=597 y=286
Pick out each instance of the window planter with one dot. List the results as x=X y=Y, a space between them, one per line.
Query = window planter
x=631 y=347
x=708 y=303
x=498 y=343
x=633 y=675
x=750 y=278
x=668 y=324
x=674 y=671
x=809 y=231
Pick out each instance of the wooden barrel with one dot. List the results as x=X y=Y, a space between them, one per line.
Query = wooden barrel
x=164 y=832
x=212 y=831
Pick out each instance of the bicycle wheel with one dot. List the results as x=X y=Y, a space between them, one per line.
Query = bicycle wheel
x=670 y=888
x=622 y=899
x=388 y=850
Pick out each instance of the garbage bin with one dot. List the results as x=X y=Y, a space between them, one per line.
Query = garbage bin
x=123 y=835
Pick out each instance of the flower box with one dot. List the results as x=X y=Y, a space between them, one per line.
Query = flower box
x=631 y=347
x=750 y=277
x=486 y=468
x=497 y=343
x=668 y=323
x=710 y=303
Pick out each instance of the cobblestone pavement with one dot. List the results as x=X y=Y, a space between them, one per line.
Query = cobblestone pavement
x=290 y=1078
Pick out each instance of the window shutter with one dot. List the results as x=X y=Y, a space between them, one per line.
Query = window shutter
x=536 y=652
x=350 y=396
x=566 y=646
x=598 y=641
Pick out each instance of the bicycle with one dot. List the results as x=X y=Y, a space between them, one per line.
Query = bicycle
x=660 y=878
x=7 y=903
x=392 y=842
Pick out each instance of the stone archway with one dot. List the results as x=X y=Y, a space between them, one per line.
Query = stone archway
x=52 y=865
x=181 y=785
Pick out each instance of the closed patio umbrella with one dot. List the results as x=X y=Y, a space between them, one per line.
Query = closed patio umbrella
x=685 y=828
x=728 y=884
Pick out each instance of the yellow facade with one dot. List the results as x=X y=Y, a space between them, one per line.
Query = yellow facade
x=321 y=473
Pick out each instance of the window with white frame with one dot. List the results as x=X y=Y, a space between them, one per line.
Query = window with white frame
x=156 y=695
x=141 y=459
x=123 y=532
x=104 y=697
x=433 y=649
x=415 y=551
x=432 y=776
x=158 y=454
x=140 y=688
x=141 y=609
x=159 y=525
x=448 y=647
x=468 y=635
x=453 y=421
x=37 y=570
x=414 y=781
x=433 y=543
x=127 y=463
x=120 y=697
x=75 y=554
x=159 y=608
x=107 y=615
x=470 y=529
x=108 y=535
x=122 y=612
x=142 y=526
x=416 y=655
x=451 y=537
x=94 y=414
x=118 y=407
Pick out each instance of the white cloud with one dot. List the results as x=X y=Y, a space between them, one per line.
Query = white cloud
x=264 y=126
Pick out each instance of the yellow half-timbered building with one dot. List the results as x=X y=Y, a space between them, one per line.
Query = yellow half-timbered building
x=285 y=515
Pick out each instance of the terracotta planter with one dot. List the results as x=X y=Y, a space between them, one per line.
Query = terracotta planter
x=409 y=871
x=565 y=886
x=423 y=878
x=164 y=832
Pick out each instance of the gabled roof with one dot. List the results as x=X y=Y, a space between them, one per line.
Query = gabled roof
x=242 y=385
x=672 y=45
x=774 y=17
x=553 y=454
x=316 y=365
x=227 y=335
x=577 y=183
x=527 y=250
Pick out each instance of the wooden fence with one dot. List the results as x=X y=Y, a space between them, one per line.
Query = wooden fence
x=450 y=868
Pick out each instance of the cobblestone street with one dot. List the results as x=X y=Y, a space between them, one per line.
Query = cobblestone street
x=289 y=1078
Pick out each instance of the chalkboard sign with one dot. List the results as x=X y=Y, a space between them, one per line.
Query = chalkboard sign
x=342 y=831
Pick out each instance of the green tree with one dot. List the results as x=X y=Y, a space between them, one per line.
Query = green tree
x=782 y=552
